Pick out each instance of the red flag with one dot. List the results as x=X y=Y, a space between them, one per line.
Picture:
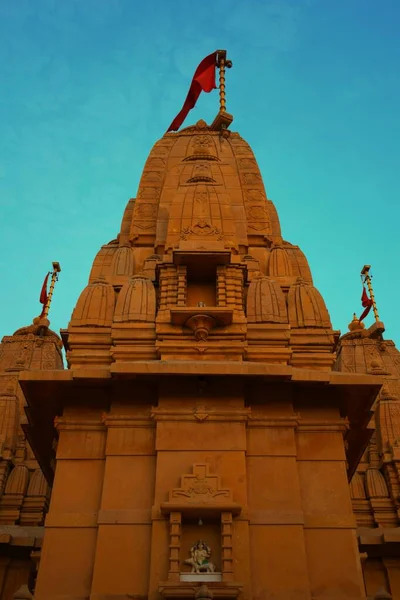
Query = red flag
x=203 y=80
x=43 y=294
x=366 y=302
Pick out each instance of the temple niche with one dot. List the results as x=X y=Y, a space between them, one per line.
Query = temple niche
x=212 y=435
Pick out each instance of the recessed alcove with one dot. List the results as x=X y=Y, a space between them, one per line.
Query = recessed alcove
x=201 y=282
x=207 y=529
x=201 y=498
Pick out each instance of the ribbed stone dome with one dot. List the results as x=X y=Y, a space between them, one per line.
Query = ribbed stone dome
x=95 y=306
x=279 y=263
x=266 y=302
x=306 y=306
x=375 y=484
x=136 y=301
x=38 y=485
x=357 y=488
x=17 y=482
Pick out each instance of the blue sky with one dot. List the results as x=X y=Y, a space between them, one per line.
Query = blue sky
x=89 y=85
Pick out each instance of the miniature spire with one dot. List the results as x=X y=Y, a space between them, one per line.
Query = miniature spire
x=45 y=298
x=368 y=302
x=356 y=324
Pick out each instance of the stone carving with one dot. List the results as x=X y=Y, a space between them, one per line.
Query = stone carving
x=146 y=211
x=254 y=196
x=201 y=486
x=201 y=172
x=200 y=413
x=156 y=163
x=202 y=142
x=257 y=217
x=145 y=215
x=149 y=192
x=247 y=163
x=251 y=178
x=201 y=326
x=200 y=554
x=160 y=151
x=202 y=227
x=152 y=176
x=243 y=150
x=201 y=200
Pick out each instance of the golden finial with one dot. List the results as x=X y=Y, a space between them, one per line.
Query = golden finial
x=54 y=278
x=223 y=119
x=223 y=64
x=366 y=278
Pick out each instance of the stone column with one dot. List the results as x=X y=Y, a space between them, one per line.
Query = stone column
x=277 y=545
x=392 y=566
x=67 y=557
x=122 y=558
x=329 y=524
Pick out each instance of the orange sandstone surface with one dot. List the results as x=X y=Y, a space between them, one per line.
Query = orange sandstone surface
x=201 y=441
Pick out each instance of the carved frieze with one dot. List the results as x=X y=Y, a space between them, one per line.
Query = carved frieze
x=201 y=228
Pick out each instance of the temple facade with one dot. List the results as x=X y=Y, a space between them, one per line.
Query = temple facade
x=212 y=435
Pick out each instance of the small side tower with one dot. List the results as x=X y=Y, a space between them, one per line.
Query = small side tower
x=24 y=491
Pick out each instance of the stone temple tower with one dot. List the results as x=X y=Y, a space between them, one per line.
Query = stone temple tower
x=203 y=438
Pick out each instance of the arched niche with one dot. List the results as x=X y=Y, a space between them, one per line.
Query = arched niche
x=201 y=497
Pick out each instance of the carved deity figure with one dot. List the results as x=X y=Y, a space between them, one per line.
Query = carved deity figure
x=200 y=553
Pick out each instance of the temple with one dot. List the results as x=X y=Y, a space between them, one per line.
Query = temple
x=212 y=435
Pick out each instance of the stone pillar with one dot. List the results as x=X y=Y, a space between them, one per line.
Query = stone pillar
x=329 y=524
x=277 y=545
x=122 y=558
x=175 y=524
x=67 y=557
x=392 y=566
x=226 y=546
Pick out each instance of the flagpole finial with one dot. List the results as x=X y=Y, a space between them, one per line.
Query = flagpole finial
x=45 y=297
x=223 y=119
x=223 y=63
x=366 y=278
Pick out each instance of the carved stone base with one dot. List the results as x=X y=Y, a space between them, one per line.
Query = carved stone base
x=175 y=590
x=201 y=577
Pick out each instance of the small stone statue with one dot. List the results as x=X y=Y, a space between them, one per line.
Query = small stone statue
x=200 y=553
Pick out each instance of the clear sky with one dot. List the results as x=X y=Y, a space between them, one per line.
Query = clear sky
x=87 y=87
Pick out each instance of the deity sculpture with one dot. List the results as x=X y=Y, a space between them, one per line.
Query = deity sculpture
x=200 y=553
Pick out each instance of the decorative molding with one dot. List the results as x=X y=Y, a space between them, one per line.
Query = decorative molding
x=200 y=490
x=66 y=424
x=127 y=421
x=264 y=422
x=199 y=413
x=321 y=426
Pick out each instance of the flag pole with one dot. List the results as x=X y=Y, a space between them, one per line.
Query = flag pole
x=367 y=280
x=54 y=278
x=223 y=64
